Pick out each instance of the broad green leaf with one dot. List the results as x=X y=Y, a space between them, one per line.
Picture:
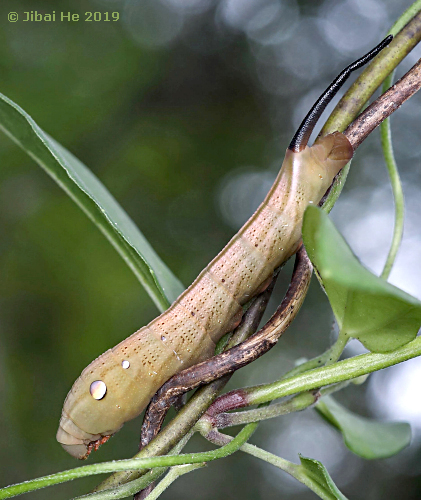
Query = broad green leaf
x=366 y=307
x=367 y=438
x=94 y=199
x=318 y=479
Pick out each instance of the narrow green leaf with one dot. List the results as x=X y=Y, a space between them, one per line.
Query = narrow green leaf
x=316 y=473
x=94 y=199
x=367 y=438
x=366 y=307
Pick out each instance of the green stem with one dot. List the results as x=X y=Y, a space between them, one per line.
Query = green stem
x=327 y=375
x=322 y=359
x=337 y=348
x=172 y=475
x=130 y=464
x=290 y=468
x=297 y=403
x=308 y=365
x=386 y=140
x=294 y=470
x=140 y=483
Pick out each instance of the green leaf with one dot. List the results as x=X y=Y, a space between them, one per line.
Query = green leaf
x=315 y=476
x=367 y=438
x=366 y=307
x=94 y=199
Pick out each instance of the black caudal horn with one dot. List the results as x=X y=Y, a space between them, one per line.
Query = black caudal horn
x=301 y=137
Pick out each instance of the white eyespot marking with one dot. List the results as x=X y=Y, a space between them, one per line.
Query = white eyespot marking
x=163 y=338
x=125 y=364
x=98 y=389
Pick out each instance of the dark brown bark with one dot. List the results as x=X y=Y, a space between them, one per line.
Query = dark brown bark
x=384 y=106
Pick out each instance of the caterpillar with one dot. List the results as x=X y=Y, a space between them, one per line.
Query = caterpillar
x=118 y=385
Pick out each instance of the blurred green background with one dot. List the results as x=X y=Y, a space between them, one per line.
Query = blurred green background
x=183 y=109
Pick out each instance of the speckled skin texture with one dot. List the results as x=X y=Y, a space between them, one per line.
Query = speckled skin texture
x=187 y=332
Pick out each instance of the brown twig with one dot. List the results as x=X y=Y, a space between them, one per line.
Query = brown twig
x=384 y=106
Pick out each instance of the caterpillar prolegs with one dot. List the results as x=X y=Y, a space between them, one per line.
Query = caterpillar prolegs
x=118 y=385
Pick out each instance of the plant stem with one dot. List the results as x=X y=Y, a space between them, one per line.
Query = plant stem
x=290 y=468
x=338 y=372
x=130 y=464
x=386 y=141
x=140 y=483
x=297 y=403
x=172 y=475
x=308 y=365
x=337 y=348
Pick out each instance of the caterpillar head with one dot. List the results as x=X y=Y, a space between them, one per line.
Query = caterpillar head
x=77 y=442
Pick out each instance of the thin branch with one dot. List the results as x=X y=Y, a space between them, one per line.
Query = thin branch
x=298 y=403
x=384 y=106
x=303 y=400
x=392 y=168
x=172 y=475
x=290 y=468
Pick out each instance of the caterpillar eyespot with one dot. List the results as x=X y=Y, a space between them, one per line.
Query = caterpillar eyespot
x=105 y=396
